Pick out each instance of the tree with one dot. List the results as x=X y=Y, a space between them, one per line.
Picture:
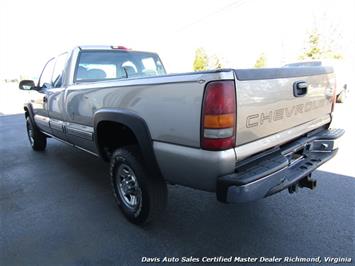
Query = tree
x=318 y=48
x=201 y=60
x=261 y=61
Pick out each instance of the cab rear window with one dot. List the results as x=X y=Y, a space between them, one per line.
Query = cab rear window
x=103 y=65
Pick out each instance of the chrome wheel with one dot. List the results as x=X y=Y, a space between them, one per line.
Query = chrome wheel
x=128 y=187
x=141 y=197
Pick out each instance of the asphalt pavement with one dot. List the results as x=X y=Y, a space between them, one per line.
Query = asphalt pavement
x=56 y=208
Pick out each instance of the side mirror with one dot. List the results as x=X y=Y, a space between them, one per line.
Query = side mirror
x=27 y=85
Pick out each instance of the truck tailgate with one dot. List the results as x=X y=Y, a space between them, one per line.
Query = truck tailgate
x=270 y=101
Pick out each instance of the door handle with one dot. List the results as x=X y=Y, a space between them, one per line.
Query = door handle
x=300 y=88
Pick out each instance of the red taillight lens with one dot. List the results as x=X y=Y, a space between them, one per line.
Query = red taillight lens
x=219 y=98
x=120 y=47
x=217 y=144
x=218 y=116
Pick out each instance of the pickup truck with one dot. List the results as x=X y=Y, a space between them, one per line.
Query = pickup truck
x=243 y=134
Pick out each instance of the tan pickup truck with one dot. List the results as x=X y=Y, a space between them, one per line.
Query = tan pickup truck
x=243 y=134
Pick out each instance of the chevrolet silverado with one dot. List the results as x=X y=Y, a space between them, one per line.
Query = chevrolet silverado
x=243 y=134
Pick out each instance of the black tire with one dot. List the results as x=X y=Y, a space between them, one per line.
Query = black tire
x=149 y=193
x=37 y=139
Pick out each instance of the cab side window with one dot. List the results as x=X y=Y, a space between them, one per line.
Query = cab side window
x=60 y=63
x=46 y=76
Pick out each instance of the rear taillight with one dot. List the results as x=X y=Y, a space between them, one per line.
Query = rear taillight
x=218 y=122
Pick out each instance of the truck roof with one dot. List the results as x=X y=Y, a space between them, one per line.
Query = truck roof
x=96 y=47
x=109 y=47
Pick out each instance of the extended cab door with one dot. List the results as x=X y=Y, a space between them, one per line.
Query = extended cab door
x=55 y=97
x=39 y=98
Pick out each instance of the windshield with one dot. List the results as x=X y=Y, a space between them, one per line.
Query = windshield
x=103 y=65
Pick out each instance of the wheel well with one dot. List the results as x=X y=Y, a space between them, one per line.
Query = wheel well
x=26 y=112
x=111 y=136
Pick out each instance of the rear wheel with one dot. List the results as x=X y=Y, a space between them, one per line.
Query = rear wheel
x=37 y=139
x=141 y=197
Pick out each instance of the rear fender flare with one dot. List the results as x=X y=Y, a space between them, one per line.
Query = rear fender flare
x=139 y=128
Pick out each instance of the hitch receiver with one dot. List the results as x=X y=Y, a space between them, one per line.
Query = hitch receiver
x=308 y=182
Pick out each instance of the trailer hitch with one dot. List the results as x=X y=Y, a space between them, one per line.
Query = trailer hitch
x=307 y=182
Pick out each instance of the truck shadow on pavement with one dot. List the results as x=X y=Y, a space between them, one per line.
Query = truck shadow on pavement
x=309 y=218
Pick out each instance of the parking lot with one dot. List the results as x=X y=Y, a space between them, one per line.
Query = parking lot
x=57 y=209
